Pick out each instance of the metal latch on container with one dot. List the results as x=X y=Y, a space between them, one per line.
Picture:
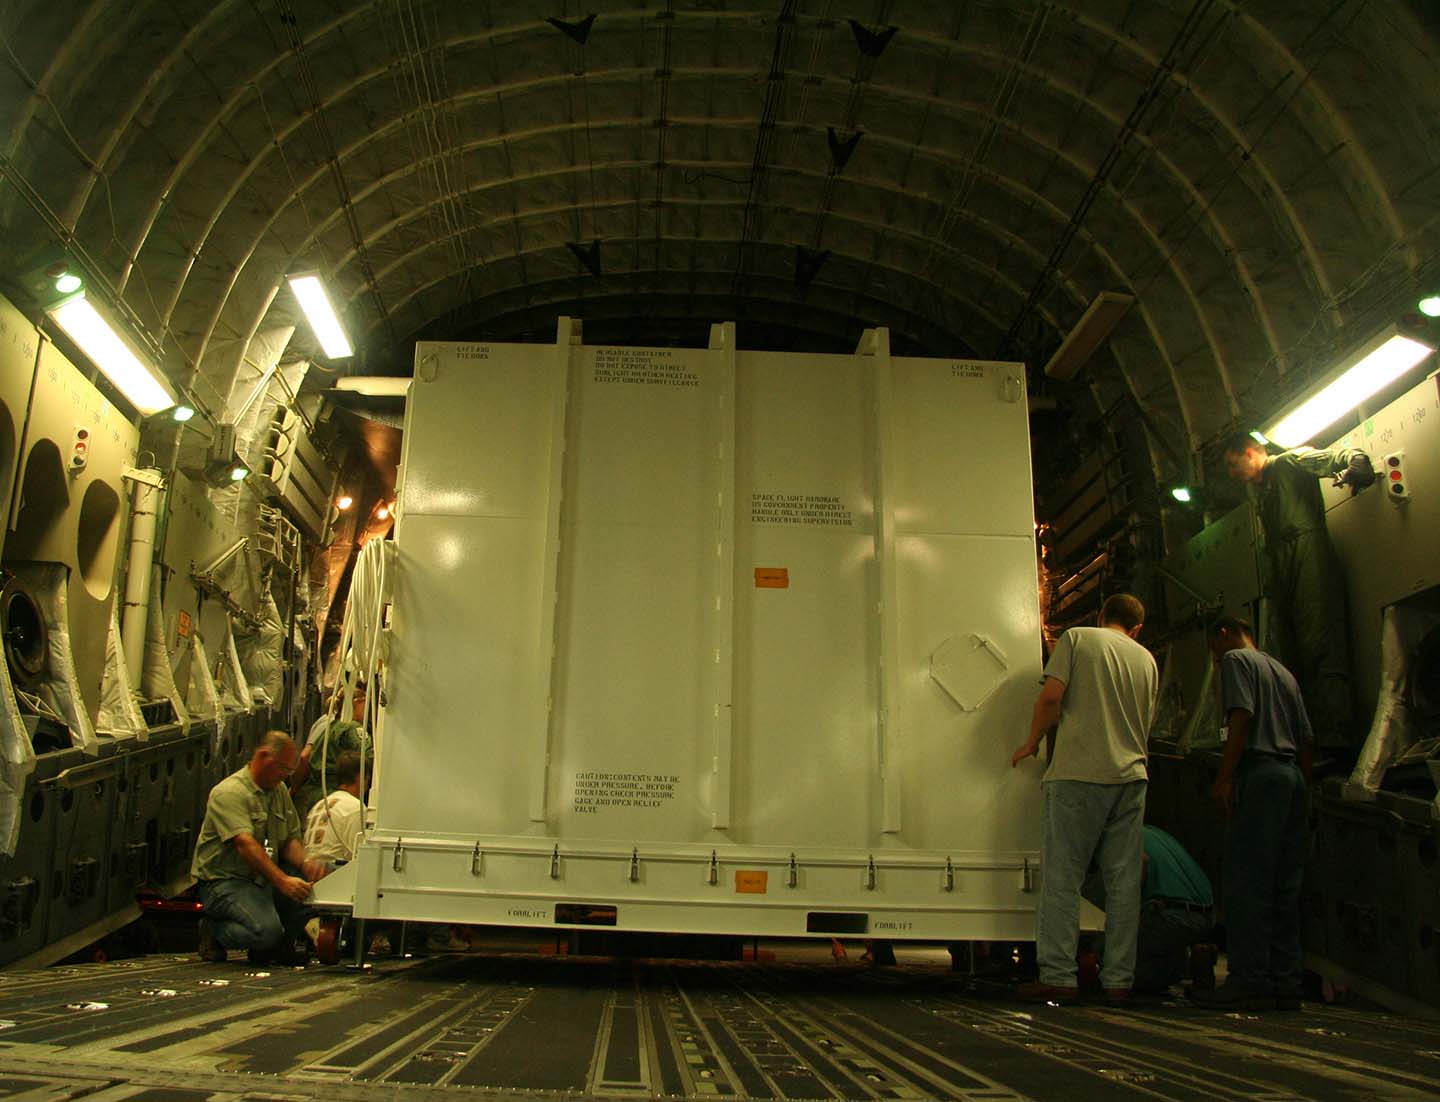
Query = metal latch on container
x=398 y=861
x=949 y=876
x=477 y=858
x=634 y=865
x=714 y=877
x=794 y=872
x=870 y=874
x=555 y=864
x=1029 y=875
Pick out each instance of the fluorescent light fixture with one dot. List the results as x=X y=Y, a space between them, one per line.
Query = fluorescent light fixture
x=238 y=473
x=375 y=386
x=69 y=282
x=1430 y=306
x=343 y=502
x=1090 y=332
x=310 y=293
x=383 y=512
x=1379 y=364
x=141 y=384
x=1259 y=437
x=1180 y=493
x=182 y=413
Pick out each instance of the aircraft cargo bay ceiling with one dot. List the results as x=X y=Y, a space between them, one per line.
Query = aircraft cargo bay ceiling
x=1262 y=177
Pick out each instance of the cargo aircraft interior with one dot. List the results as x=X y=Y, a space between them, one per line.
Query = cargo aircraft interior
x=814 y=549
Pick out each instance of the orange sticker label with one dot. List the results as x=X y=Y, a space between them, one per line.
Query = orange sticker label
x=183 y=624
x=752 y=882
x=772 y=577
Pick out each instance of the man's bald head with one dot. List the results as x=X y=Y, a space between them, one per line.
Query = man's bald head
x=273 y=759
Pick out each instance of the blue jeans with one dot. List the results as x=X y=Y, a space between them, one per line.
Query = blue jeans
x=247 y=915
x=1081 y=822
x=1264 y=867
x=1162 y=945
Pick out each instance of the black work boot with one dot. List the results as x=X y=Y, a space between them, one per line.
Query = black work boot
x=210 y=950
x=1202 y=966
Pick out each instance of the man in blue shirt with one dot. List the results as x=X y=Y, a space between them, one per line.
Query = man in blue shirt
x=1261 y=789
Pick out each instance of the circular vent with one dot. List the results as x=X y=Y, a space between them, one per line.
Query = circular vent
x=23 y=630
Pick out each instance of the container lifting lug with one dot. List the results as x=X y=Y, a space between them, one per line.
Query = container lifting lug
x=398 y=861
x=555 y=864
x=477 y=857
x=870 y=874
x=634 y=865
x=714 y=877
x=1029 y=885
x=794 y=878
x=949 y=876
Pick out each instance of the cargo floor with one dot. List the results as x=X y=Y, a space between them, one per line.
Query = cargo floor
x=170 y=1029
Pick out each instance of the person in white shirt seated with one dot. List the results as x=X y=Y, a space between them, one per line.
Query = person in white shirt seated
x=333 y=826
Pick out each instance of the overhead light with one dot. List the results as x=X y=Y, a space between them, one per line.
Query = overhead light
x=118 y=358
x=1430 y=306
x=1375 y=366
x=238 y=473
x=69 y=282
x=375 y=386
x=343 y=502
x=1181 y=493
x=310 y=293
x=383 y=512
x=1090 y=332
x=183 y=413
x=1259 y=438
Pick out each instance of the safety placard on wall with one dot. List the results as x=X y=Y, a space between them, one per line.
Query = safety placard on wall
x=822 y=510
x=772 y=577
x=596 y=792
x=752 y=881
x=643 y=367
x=182 y=625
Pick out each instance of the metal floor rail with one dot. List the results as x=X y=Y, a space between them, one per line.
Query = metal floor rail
x=532 y=1026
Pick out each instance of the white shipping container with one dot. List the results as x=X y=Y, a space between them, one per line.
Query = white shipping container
x=709 y=641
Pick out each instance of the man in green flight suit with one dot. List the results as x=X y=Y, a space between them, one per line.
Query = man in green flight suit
x=1303 y=575
x=329 y=737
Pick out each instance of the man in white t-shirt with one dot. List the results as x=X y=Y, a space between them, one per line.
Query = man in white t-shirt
x=334 y=822
x=1099 y=688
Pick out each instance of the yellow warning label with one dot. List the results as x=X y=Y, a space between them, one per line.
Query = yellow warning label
x=752 y=882
x=183 y=624
x=772 y=577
